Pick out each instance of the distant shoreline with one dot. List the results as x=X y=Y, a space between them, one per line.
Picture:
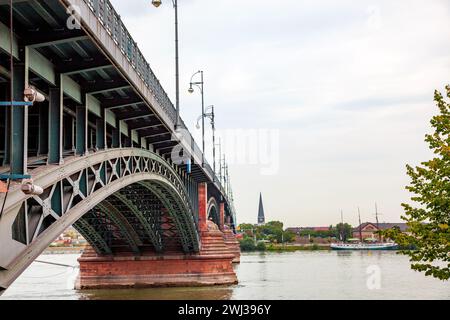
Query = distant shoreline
x=63 y=250
x=292 y=247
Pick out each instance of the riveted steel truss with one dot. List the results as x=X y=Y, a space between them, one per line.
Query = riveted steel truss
x=131 y=217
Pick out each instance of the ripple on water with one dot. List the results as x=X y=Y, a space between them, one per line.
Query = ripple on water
x=291 y=275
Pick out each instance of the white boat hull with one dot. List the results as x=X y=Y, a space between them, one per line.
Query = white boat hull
x=364 y=246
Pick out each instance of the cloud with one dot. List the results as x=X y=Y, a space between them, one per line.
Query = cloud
x=349 y=84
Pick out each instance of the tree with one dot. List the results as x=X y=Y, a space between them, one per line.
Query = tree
x=429 y=231
x=245 y=226
x=275 y=224
x=343 y=230
x=288 y=236
x=261 y=246
x=247 y=244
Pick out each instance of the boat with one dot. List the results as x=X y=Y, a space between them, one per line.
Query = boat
x=360 y=244
x=364 y=246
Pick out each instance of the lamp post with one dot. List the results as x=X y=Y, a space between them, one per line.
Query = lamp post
x=220 y=156
x=200 y=84
x=222 y=165
x=209 y=115
x=156 y=4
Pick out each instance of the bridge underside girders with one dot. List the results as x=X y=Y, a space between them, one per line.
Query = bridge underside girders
x=100 y=102
x=68 y=60
x=91 y=104
x=132 y=221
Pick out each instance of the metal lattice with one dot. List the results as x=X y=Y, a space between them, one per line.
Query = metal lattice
x=143 y=202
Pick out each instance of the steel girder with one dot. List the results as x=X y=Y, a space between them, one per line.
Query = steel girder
x=73 y=191
x=188 y=235
x=213 y=211
x=92 y=236
x=147 y=217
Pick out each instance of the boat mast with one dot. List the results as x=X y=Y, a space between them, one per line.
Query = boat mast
x=360 y=231
x=342 y=227
x=378 y=225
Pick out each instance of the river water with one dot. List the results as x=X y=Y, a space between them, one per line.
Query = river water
x=293 y=275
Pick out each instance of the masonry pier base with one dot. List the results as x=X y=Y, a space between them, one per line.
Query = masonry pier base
x=211 y=266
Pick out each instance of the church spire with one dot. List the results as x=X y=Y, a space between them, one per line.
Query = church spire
x=261 y=218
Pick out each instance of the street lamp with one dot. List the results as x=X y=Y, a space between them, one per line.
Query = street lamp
x=220 y=156
x=210 y=115
x=200 y=84
x=156 y=4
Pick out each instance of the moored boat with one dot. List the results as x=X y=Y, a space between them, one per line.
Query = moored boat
x=364 y=246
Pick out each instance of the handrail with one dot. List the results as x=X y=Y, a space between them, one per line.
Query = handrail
x=110 y=19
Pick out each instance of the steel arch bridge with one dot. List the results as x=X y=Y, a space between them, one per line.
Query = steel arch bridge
x=102 y=144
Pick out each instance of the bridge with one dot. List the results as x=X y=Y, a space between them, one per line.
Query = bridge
x=108 y=154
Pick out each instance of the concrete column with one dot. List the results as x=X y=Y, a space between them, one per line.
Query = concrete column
x=202 y=206
x=222 y=215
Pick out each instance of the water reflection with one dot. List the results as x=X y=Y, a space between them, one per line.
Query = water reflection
x=290 y=275
x=201 y=293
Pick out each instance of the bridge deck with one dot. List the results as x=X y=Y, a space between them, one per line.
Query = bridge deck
x=101 y=66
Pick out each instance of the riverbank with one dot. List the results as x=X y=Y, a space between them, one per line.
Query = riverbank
x=297 y=247
x=63 y=250
x=300 y=275
x=289 y=248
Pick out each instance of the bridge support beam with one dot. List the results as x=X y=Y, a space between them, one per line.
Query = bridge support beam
x=202 y=205
x=100 y=133
x=116 y=136
x=81 y=132
x=222 y=215
x=55 y=152
x=19 y=123
x=43 y=129
x=211 y=266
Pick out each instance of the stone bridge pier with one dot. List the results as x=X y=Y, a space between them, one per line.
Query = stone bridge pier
x=212 y=265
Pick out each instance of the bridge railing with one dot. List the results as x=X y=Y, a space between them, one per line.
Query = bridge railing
x=110 y=19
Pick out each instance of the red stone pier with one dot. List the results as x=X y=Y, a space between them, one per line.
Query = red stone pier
x=213 y=265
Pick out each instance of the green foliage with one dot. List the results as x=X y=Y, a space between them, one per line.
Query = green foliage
x=429 y=231
x=319 y=234
x=288 y=236
x=245 y=226
x=261 y=246
x=271 y=231
x=247 y=244
x=274 y=224
x=291 y=248
x=343 y=230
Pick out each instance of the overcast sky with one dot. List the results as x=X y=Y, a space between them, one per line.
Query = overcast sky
x=347 y=85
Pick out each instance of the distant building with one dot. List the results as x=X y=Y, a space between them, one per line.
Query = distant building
x=261 y=217
x=369 y=229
